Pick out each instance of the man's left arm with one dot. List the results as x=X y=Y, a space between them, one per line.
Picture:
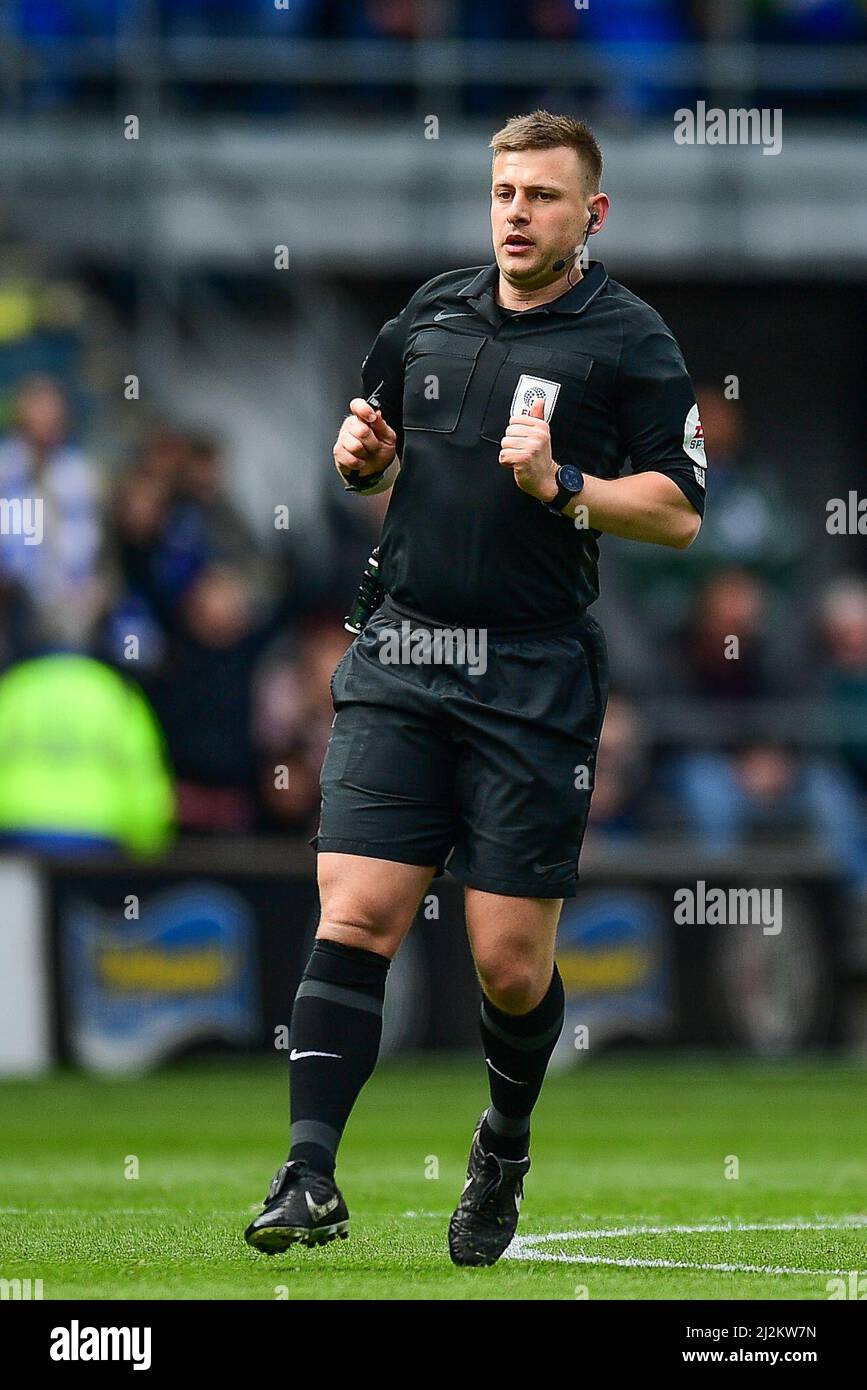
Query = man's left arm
x=644 y=507
x=662 y=501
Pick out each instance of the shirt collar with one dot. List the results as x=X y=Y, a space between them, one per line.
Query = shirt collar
x=574 y=301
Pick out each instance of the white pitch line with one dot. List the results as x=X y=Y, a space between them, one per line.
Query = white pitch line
x=528 y=1247
x=633 y=1262
x=843 y=1223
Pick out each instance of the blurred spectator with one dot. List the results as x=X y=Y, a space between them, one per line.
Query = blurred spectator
x=293 y=725
x=755 y=782
x=750 y=523
x=14 y=623
x=82 y=764
x=202 y=522
x=172 y=505
x=629 y=34
x=618 y=809
x=843 y=631
x=728 y=650
x=49 y=478
x=203 y=688
x=141 y=506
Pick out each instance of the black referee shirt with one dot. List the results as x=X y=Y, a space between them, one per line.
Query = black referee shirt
x=461 y=542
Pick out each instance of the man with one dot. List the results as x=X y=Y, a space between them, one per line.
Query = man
x=83 y=766
x=55 y=555
x=510 y=399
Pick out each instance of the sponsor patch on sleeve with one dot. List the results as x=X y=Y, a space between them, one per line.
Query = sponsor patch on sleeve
x=693 y=444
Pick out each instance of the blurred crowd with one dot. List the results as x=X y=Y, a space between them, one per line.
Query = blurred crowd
x=630 y=29
x=159 y=576
x=512 y=19
x=756 y=671
x=739 y=706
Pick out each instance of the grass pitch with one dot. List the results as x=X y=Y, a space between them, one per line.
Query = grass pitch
x=629 y=1180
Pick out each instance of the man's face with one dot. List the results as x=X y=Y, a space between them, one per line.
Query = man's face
x=538 y=212
x=42 y=415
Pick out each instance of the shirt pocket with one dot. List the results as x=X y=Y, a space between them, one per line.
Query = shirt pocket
x=438 y=370
x=529 y=373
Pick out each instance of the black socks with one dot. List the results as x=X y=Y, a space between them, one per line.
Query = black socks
x=334 y=1043
x=517 y=1050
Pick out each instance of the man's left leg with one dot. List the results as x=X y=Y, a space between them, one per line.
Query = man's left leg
x=512 y=940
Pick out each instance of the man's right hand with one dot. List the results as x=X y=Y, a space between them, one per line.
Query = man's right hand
x=365 y=444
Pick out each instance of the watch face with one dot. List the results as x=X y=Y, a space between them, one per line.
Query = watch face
x=570 y=477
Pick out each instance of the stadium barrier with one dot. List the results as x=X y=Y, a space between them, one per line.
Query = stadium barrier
x=117 y=966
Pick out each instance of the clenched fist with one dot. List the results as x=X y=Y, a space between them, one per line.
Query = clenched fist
x=365 y=444
x=526 y=449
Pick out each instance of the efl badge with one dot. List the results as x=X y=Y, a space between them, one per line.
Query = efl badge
x=531 y=389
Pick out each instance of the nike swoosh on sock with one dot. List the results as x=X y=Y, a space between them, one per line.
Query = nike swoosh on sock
x=503 y=1074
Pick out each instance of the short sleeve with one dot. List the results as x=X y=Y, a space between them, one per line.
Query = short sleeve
x=382 y=370
x=657 y=415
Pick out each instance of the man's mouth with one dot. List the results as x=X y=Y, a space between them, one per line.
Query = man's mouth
x=515 y=241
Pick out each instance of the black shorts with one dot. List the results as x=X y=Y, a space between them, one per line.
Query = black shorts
x=486 y=771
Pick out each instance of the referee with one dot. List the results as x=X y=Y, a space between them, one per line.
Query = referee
x=519 y=410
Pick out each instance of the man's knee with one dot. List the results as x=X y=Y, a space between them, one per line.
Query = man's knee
x=512 y=941
x=514 y=985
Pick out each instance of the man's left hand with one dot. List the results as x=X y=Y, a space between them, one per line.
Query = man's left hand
x=526 y=449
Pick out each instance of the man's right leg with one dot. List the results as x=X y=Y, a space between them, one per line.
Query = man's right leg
x=367 y=907
x=386 y=826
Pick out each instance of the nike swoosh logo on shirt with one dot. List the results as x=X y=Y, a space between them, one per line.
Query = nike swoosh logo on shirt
x=296 y=1056
x=460 y=315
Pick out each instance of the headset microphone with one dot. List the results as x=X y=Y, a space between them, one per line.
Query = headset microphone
x=560 y=265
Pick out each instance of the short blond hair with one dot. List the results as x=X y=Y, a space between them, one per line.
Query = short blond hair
x=541 y=130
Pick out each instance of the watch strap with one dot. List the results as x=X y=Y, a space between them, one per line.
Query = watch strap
x=564 y=495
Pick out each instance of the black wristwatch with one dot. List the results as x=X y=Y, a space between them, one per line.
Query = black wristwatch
x=570 y=481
